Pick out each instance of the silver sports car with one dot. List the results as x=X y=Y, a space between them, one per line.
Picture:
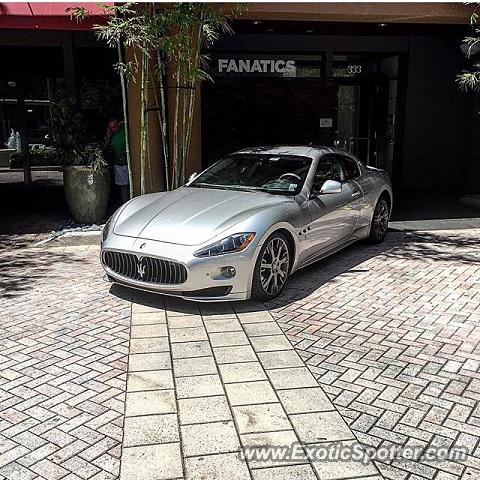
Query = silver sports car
x=242 y=226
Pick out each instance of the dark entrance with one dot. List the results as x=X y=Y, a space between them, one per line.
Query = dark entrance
x=247 y=112
x=367 y=106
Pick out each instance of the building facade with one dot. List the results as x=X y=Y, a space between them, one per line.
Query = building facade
x=376 y=79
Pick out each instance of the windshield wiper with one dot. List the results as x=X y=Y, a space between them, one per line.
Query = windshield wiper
x=225 y=187
x=206 y=185
x=242 y=188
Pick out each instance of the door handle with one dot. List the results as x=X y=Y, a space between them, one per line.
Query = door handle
x=356 y=194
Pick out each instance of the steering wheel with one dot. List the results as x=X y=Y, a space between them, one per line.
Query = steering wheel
x=288 y=174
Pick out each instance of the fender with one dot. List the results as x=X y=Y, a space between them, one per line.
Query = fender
x=269 y=231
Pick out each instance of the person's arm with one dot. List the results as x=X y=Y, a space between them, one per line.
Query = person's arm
x=107 y=138
x=107 y=149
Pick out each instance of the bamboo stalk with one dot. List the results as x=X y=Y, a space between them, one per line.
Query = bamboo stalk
x=163 y=120
x=186 y=106
x=184 y=125
x=142 y=127
x=125 y=119
x=148 y=163
x=175 y=128
x=149 y=10
x=193 y=91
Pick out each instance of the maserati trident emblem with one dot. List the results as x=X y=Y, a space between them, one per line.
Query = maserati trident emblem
x=141 y=267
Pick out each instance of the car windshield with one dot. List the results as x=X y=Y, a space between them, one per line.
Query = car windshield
x=278 y=174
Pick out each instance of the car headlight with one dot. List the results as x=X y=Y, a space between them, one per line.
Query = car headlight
x=231 y=244
x=106 y=229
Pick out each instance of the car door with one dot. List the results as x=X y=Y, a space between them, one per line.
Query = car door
x=334 y=215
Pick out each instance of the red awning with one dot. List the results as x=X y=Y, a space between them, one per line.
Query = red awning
x=48 y=15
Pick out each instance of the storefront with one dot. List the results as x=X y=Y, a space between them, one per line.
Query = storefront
x=46 y=57
x=385 y=92
x=275 y=98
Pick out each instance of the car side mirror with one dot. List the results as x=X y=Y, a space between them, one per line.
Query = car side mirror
x=331 y=186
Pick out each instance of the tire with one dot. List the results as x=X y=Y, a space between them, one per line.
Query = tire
x=263 y=284
x=379 y=224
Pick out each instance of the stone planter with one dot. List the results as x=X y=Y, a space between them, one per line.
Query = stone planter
x=87 y=192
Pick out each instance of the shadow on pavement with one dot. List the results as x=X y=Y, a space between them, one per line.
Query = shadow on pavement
x=38 y=208
x=31 y=213
x=180 y=306
x=424 y=246
x=431 y=205
x=19 y=272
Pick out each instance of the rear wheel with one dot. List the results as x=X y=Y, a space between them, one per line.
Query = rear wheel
x=271 y=268
x=379 y=225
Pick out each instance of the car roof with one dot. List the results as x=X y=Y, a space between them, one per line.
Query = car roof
x=303 y=150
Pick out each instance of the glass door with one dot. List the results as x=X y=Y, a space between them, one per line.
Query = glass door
x=348 y=120
x=366 y=106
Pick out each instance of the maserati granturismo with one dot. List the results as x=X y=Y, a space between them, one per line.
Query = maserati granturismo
x=240 y=228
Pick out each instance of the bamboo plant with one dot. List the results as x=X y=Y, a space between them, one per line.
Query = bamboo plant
x=470 y=79
x=167 y=41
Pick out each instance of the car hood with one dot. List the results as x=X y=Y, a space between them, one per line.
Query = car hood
x=190 y=216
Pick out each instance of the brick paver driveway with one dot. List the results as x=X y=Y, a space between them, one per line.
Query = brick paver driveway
x=389 y=331
x=63 y=355
x=202 y=380
x=392 y=333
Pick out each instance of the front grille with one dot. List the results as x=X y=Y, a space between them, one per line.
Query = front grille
x=145 y=269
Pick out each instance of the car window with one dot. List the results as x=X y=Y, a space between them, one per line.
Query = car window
x=328 y=168
x=349 y=167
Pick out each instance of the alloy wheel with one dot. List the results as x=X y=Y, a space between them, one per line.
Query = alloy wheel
x=274 y=266
x=380 y=220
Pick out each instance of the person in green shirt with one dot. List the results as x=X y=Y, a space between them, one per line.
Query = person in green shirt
x=116 y=142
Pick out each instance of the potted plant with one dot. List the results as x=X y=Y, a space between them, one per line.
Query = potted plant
x=86 y=176
x=87 y=185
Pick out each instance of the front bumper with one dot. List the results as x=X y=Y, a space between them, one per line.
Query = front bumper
x=205 y=282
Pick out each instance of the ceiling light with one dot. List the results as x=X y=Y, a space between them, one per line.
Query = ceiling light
x=382 y=24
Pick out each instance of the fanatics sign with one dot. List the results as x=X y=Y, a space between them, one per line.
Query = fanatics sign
x=256 y=66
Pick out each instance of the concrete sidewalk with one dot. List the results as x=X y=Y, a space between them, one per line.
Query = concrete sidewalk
x=205 y=381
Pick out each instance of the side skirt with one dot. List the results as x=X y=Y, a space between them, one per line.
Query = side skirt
x=335 y=249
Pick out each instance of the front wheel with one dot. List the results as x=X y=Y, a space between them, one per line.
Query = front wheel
x=379 y=225
x=271 y=268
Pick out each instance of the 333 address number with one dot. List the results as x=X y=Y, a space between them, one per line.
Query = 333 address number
x=354 y=69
